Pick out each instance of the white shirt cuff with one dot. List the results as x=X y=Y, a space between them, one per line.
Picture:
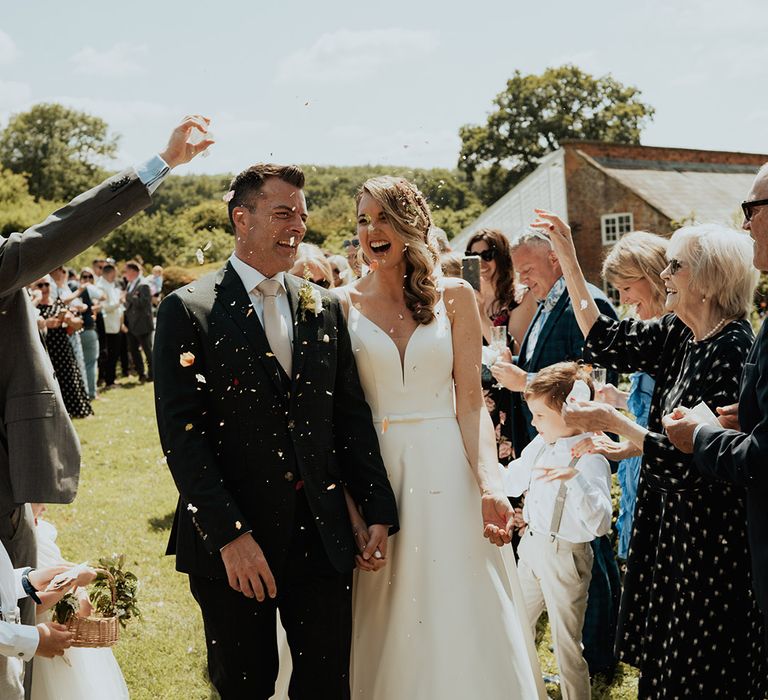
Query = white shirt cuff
x=152 y=172
x=27 y=640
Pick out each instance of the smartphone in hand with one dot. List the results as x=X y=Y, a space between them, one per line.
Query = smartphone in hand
x=470 y=270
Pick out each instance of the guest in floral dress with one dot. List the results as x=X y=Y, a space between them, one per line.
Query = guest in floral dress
x=502 y=303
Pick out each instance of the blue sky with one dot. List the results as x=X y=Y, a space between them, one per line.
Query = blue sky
x=385 y=82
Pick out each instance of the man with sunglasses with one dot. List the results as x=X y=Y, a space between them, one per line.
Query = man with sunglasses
x=736 y=451
x=39 y=449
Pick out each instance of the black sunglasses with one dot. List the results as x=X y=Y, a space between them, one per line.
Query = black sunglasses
x=674 y=266
x=86 y=277
x=351 y=242
x=40 y=285
x=486 y=255
x=749 y=207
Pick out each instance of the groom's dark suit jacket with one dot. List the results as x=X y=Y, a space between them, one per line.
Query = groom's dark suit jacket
x=244 y=443
x=742 y=458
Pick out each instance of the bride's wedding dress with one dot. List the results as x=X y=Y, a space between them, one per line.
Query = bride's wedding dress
x=445 y=617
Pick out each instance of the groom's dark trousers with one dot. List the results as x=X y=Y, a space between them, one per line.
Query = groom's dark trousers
x=254 y=451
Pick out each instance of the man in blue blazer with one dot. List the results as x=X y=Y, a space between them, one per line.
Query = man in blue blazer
x=736 y=451
x=554 y=336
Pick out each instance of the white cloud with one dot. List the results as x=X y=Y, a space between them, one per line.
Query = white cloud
x=346 y=55
x=14 y=97
x=8 y=49
x=119 y=61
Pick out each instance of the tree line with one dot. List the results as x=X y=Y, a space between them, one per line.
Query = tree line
x=51 y=153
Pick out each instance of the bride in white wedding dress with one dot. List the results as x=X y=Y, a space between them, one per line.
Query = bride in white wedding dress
x=442 y=617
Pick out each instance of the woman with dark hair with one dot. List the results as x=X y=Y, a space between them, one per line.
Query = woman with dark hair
x=502 y=303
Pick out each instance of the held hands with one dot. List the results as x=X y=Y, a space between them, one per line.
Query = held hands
x=247 y=569
x=372 y=545
x=54 y=639
x=498 y=518
x=179 y=150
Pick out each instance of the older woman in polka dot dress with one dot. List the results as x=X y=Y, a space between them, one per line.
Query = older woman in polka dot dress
x=688 y=618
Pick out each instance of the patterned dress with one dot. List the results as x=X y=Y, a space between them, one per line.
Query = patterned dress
x=65 y=366
x=498 y=401
x=688 y=618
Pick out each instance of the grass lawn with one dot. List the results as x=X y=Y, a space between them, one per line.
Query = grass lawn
x=125 y=505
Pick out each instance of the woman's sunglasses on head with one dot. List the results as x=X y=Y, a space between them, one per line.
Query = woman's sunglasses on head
x=486 y=255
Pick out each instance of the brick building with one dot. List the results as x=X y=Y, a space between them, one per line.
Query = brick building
x=604 y=190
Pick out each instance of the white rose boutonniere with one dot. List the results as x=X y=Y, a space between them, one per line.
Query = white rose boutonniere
x=310 y=300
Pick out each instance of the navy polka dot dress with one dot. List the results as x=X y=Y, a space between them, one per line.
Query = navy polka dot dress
x=688 y=618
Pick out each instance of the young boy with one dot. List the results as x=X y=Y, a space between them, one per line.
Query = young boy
x=568 y=504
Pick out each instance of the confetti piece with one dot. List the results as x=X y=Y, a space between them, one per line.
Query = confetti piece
x=249 y=312
x=200 y=378
x=384 y=426
x=289 y=476
x=186 y=359
x=228 y=196
x=270 y=354
x=200 y=256
x=191 y=508
x=326 y=338
x=374 y=265
x=188 y=427
x=331 y=487
x=583 y=304
x=238 y=524
x=207 y=246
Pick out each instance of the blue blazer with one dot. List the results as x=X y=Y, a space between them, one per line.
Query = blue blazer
x=560 y=340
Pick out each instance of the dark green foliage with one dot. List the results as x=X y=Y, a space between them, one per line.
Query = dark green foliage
x=534 y=113
x=61 y=151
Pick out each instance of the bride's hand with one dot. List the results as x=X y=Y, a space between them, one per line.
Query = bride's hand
x=376 y=559
x=498 y=518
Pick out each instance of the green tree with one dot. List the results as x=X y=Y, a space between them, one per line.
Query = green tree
x=61 y=151
x=534 y=113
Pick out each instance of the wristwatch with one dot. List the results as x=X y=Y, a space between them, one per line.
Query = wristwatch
x=29 y=589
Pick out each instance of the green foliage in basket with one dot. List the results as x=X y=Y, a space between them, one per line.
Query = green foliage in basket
x=100 y=594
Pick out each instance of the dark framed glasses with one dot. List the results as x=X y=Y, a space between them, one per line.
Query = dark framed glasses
x=749 y=207
x=42 y=285
x=354 y=242
x=486 y=255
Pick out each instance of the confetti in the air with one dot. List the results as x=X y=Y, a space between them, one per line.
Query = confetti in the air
x=186 y=359
x=200 y=256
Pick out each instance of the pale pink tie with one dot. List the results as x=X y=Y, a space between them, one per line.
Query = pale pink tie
x=275 y=326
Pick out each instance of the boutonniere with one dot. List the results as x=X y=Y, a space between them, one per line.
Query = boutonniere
x=309 y=300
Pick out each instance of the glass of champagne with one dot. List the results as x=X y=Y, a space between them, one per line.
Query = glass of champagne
x=498 y=344
x=598 y=378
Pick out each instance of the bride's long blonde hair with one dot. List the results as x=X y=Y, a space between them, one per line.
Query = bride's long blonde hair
x=409 y=215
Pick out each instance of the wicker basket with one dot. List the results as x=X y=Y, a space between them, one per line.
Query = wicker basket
x=96 y=631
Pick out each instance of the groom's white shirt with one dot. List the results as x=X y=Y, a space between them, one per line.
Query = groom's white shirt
x=251 y=278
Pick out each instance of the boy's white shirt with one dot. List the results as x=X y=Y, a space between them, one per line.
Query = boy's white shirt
x=588 y=508
x=15 y=640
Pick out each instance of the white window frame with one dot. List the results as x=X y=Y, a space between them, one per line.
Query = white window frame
x=614 y=226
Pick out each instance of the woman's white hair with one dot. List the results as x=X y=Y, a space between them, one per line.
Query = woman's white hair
x=720 y=259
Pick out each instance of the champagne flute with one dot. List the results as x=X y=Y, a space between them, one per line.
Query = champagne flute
x=498 y=344
x=599 y=375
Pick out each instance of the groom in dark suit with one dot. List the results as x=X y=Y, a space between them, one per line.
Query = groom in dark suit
x=737 y=451
x=264 y=423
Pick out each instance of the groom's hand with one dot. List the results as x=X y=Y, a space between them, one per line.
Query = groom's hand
x=247 y=569
x=374 y=555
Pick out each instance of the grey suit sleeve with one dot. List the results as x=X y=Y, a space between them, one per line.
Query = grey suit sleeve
x=25 y=257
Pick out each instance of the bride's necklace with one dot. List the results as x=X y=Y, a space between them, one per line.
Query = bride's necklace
x=713 y=331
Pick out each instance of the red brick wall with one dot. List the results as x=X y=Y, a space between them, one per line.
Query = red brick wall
x=590 y=194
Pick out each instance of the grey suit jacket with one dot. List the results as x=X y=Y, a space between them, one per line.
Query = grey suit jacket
x=138 y=308
x=39 y=449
